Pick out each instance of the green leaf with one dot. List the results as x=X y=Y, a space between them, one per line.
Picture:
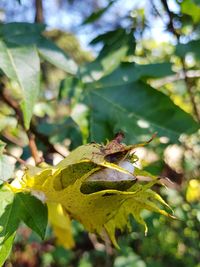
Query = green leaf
x=155 y=168
x=117 y=44
x=61 y=130
x=21 y=33
x=7 y=121
x=6 y=168
x=113 y=59
x=136 y=109
x=22 y=207
x=155 y=70
x=22 y=65
x=6 y=197
x=190 y=47
x=115 y=40
x=32 y=212
x=66 y=88
x=130 y=72
x=110 y=37
x=6 y=248
x=196 y=2
x=97 y=14
x=52 y=53
x=190 y=8
x=105 y=208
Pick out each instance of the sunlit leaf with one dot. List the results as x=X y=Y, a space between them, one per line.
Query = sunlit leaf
x=136 y=109
x=117 y=45
x=6 y=168
x=21 y=64
x=25 y=34
x=6 y=199
x=6 y=248
x=22 y=207
x=130 y=72
x=61 y=224
x=104 y=209
x=192 y=9
x=52 y=53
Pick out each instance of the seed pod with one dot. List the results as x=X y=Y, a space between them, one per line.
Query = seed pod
x=108 y=178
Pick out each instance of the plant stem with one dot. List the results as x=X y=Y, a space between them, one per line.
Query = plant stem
x=190 y=92
x=187 y=82
x=171 y=16
x=32 y=132
x=33 y=148
x=21 y=161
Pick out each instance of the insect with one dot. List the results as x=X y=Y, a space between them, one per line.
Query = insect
x=115 y=151
x=109 y=178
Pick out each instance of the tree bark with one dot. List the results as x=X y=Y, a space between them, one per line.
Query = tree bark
x=39 y=16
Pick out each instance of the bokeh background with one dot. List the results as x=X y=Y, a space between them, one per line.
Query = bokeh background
x=163 y=31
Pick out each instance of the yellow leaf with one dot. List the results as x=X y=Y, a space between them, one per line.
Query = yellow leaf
x=103 y=209
x=61 y=225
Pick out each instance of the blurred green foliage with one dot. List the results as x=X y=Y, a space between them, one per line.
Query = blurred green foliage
x=135 y=84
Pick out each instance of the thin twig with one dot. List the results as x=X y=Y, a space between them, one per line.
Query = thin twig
x=156 y=10
x=190 y=92
x=187 y=82
x=44 y=139
x=21 y=161
x=191 y=74
x=33 y=148
x=11 y=103
x=14 y=105
x=32 y=132
x=171 y=16
x=12 y=139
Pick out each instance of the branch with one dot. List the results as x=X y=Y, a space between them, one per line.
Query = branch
x=190 y=91
x=171 y=16
x=32 y=132
x=7 y=137
x=21 y=161
x=187 y=82
x=43 y=138
x=191 y=74
x=156 y=10
x=14 y=105
x=33 y=148
x=11 y=103
x=39 y=17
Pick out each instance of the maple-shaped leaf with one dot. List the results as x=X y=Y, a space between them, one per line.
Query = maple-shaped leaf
x=105 y=207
